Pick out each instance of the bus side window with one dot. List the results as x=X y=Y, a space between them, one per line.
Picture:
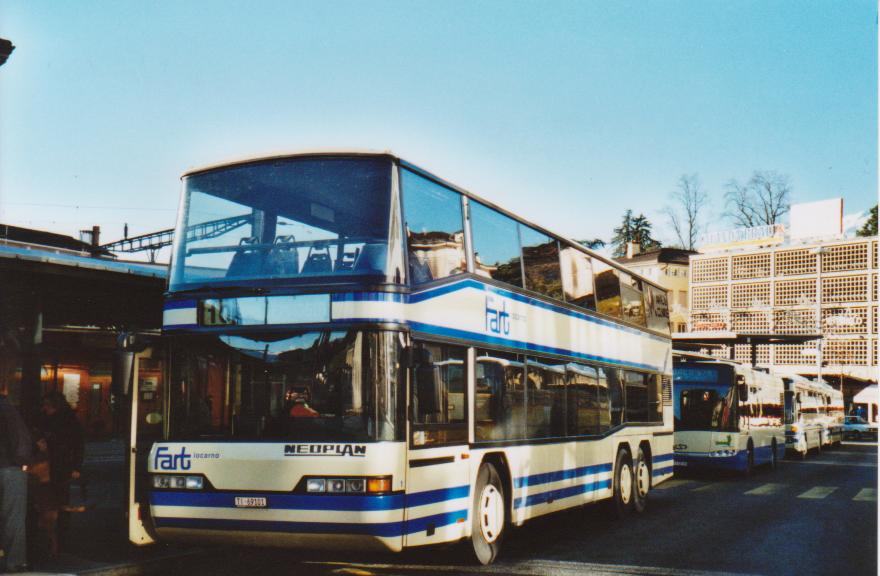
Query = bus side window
x=499 y=402
x=541 y=262
x=607 y=281
x=434 y=229
x=577 y=278
x=496 y=245
x=658 y=309
x=587 y=400
x=632 y=305
x=614 y=382
x=545 y=399
x=636 y=396
x=439 y=399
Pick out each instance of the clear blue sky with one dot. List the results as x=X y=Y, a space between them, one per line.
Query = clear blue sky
x=566 y=112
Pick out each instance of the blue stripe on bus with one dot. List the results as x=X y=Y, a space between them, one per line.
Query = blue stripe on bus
x=349 y=503
x=434 y=496
x=662 y=471
x=557 y=475
x=663 y=457
x=381 y=529
x=177 y=304
x=463 y=334
x=470 y=283
x=280 y=501
x=561 y=493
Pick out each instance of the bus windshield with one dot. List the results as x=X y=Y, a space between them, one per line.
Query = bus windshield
x=290 y=220
x=705 y=398
x=320 y=386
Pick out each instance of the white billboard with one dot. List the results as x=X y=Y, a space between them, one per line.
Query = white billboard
x=817 y=219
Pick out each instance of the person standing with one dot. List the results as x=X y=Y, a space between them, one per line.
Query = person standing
x=66 y=441
x=15 y=453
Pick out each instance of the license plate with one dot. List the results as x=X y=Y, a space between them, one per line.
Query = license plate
x=680 y=463
x=250 y=502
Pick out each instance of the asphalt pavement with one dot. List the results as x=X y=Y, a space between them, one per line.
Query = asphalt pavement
x=812 y=517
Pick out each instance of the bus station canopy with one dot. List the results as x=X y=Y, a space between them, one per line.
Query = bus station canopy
x=719 y=338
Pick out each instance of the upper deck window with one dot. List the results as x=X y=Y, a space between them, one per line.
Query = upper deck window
x=292 y=219
x=434 y=229
x=541 y=262
x=607 y=288
x=577 y=278
x=496 y=245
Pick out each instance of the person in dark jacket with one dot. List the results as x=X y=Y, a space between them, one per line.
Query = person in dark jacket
x=66 y=441
x=15 y=454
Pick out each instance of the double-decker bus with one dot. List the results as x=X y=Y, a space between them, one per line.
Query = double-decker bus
x=364 y=355
x=727 y=415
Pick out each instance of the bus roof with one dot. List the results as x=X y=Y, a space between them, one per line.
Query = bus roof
x=389 y=154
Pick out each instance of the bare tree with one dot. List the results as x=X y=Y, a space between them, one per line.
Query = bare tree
x=764 y=199
x=688 y=200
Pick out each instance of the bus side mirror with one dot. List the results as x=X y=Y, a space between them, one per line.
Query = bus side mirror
x=123 y=366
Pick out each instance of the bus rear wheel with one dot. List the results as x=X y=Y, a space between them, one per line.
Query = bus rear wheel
x=642 y=482
x=623 y=484
x=488 y=516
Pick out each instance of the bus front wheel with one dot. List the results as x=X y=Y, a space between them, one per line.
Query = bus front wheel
x=489 y=515
x=624 y=481
x=642 y=485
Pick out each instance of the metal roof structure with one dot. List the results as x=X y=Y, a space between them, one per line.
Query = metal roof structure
x=62 y=258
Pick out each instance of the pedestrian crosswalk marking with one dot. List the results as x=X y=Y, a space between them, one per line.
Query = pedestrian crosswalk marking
x=818 y=492
x=710 y=486
x=766 y=489
x=866 y=495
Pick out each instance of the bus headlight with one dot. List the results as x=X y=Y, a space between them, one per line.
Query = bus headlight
x=375 y=484
x=336 y=485
x=194 y=482
x=169 y=481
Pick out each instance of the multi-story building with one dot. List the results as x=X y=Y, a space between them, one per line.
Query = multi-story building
x=669 y=268
x=823 y=287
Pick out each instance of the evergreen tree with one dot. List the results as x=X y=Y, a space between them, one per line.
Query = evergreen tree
x=870 y=226
x=633 y=229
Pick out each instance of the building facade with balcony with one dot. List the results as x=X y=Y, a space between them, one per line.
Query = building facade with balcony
x=823 y=287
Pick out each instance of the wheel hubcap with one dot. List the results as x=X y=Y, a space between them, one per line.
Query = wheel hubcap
x=491 y=513
x=625 y=483
x=644 y=479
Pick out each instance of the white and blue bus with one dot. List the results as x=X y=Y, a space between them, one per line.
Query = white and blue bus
x=813 y=415
x=364 y=355
x=727 y=416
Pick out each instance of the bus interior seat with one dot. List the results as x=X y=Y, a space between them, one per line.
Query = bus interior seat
x=247 y=260
x=283 y=260
x=419 y=271
x=318 y=261
x=371 y=259
x=346 y=260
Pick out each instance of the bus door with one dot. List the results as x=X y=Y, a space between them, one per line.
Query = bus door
x=139 y=377
x=438 y=464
